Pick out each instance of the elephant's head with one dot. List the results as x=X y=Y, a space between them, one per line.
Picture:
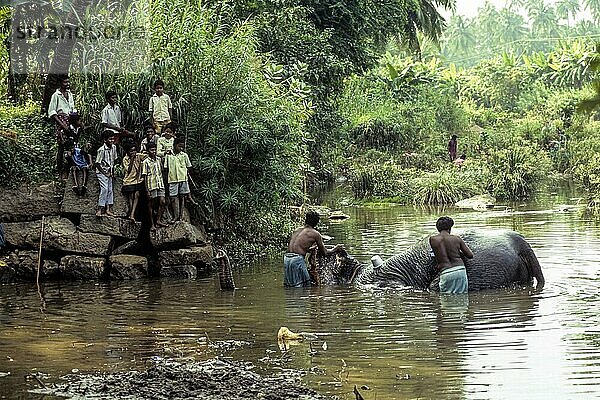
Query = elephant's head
x=335 y=269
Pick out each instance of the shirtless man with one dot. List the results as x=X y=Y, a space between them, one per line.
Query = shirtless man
x=449 y=250
x=303 y=238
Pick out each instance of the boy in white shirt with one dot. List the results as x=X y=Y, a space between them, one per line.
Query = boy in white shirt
x=105 y=165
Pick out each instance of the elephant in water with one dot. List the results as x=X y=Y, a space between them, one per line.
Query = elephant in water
x=502 y=258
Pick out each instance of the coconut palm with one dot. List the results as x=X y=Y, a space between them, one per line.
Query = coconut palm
x=512 y=28
x=459 y=36
x=544 y=21
x=594 y=7
x=424 y=17
x=567 y=8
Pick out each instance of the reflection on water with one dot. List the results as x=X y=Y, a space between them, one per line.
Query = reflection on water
x=402 y=344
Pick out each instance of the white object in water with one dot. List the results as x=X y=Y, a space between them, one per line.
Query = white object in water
x=376 y=261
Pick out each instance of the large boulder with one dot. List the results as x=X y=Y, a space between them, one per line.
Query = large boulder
x=480 y=202
x=59 y=234
x=88 y=203
x=176 y=235
x=112 y=226
x=26 y=204
x=83 y=268
x=19 y=266
x=128 y=267
x=200 y=256
x=8 y=273
x=179 y=271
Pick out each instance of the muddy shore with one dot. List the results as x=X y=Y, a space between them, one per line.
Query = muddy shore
x=214 y=379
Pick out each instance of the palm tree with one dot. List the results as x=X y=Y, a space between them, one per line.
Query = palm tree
x=514 y=4
x=544 y=21
x=487 y=24
x=567 y=8
x=594 y=7
x=459 y=36
x=512 y=28
x=424 y=17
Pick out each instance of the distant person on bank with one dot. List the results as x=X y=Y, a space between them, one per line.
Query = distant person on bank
x=449 y=251
x=303 y=238
x=105 y=166
x=460 y=161
x=160 y=107
x=453 y=147
x=62 y=104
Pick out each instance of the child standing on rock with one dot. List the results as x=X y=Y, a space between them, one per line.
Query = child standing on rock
x=79 y=161
x=133 y=182
x=177 y=165
x=160 y=107
x=105 y=165
x=155 y=188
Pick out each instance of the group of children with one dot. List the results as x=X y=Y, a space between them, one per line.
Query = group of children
x=157 y=167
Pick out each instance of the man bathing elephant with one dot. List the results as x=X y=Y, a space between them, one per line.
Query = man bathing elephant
x=303 y=238
x=502 y=258
x=449 y=251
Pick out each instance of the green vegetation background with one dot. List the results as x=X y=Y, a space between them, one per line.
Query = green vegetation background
x=275 y=97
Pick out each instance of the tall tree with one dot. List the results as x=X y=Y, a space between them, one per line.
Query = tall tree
x=459 y=37
x=593 y=6
x=543 y=19
x=567 y=9
x=424 y=17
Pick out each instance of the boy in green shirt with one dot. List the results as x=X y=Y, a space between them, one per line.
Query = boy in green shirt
x=177 y=165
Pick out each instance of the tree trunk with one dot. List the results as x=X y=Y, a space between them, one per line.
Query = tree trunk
x=63 y=52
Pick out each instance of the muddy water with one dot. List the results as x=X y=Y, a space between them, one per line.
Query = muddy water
x=505 y=344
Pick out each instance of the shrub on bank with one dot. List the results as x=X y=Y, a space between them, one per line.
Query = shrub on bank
x=517 y=170
x=447 y=186
x=383 y=181
x=27 y=146
x=585 y=162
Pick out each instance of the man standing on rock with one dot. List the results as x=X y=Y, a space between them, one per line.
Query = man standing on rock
x=303 y=238
x=449 y=251
x=62 y=104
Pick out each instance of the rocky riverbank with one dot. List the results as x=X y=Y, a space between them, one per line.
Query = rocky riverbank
x=77 y=245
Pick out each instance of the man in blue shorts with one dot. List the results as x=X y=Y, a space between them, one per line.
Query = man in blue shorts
x=449 y=251
x=303 y=238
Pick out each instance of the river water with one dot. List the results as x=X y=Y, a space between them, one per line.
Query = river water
x=395 y=344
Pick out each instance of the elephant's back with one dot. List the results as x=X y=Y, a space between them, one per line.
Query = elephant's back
x=497 y=260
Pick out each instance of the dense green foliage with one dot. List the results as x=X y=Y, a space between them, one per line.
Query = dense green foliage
x=521 y=27
x=25 y=145
x=273 y=95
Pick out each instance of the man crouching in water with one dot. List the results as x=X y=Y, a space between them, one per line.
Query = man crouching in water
x=449 y=250
x=295 y=271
